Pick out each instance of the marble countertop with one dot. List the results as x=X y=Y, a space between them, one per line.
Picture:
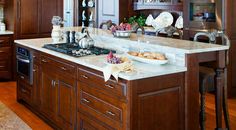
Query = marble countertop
x=98 y=62
x=6 y=32
x=176 y=45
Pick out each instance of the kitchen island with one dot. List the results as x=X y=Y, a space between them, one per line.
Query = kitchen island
x=70 y=92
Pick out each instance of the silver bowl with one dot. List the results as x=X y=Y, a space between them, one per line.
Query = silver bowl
x=122 y=34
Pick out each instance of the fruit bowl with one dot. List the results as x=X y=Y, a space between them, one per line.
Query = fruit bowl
x=122 y=34
x=123 y=30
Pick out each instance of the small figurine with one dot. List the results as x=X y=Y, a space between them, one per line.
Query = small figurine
x=91 y=17
x=90 y=3
x=84 y=3
x=83 y=15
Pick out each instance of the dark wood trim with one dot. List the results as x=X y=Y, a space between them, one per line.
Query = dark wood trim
x=192 y=93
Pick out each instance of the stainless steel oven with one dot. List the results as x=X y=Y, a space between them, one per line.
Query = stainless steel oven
x=24 y=64
x=206 y=14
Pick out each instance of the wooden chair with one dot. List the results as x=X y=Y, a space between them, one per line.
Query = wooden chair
x=207 y=74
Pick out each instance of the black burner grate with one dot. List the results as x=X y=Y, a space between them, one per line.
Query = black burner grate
x=76 y=50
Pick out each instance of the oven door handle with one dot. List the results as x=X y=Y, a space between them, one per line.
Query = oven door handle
x=23 y=60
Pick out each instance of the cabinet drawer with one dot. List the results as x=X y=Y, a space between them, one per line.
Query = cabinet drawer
x=106 y=109
x=5 y=52
x=36 y=57
x=4 y=41
x=24 y=91
x=85 y=123
x=63 y=68
x=4 y=65
x=111 y=87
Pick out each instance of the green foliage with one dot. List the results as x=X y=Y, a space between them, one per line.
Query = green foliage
x=140 y=20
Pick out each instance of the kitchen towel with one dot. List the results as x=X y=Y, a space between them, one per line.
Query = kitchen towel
x=115 y=69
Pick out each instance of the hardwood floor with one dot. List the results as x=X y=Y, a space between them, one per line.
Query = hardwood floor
x=8 y=97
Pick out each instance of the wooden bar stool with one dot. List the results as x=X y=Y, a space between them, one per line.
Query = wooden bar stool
x=206 y=74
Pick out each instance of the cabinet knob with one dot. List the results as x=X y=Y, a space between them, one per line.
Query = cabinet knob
x=86 y=100
x=110 y=113
x=109 y=86
x=84 y=76
x=34 y=70
x=44 y=61
x=63 y=68
x=23 y=90
x=22 y=77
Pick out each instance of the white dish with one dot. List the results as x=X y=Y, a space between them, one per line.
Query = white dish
x=148 y=61
x=179 y=22
x=149 y=20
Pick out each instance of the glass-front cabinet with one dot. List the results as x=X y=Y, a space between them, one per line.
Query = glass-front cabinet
x=88 y=13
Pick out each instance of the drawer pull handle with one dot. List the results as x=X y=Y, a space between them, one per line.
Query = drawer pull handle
x=44 y=61
x=63 y=68
x=85 y=100
x=1 y=51
x=2 y=66
x=22 y=77
x=23 y=90
x=34 y=56
x=110 y=113
x=84 y=76
x=109 y=86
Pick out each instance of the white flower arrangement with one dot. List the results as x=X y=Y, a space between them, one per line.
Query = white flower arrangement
x=57 y=20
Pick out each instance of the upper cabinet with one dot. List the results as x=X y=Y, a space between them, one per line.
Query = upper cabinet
x=2 y=2
x=176 y=5
x=32 y=18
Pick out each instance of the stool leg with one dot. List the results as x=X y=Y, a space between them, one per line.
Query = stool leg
x=218 y=97
x=202 y=108
x=225 y=103
x=226 y=113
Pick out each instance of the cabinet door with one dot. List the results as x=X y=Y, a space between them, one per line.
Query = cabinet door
x=108 y=10
x=49 y=96
x=67 y=103
x=49 y=8
x=68 y=13
x=27 y=18
x=36 y=86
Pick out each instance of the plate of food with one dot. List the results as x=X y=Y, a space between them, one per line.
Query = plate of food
x=148 y=57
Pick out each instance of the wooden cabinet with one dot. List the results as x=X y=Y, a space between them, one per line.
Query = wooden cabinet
x=6 y=57
x=152 y=101
x=58 y=95
x=32 y=17
x=49 y=90
x=71 y=99
x=24 y=91
x=2 y=1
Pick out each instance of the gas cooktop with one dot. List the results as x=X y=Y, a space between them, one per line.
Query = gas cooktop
x=75 y=50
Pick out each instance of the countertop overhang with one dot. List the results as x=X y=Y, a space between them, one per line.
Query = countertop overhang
x=142 y=70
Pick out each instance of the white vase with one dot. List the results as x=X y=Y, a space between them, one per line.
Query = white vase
x=56 y=33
